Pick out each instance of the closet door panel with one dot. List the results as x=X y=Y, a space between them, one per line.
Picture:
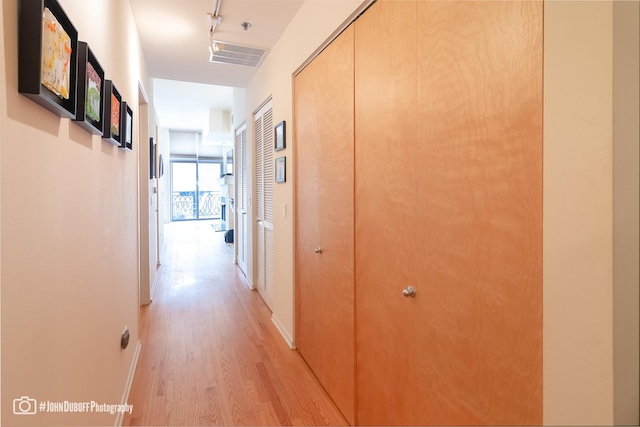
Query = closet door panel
x=324 y=250
x=448 y=201
x=480 y=85
x=387 y=170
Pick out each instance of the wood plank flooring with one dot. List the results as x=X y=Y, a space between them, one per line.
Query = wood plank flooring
x=210 y=353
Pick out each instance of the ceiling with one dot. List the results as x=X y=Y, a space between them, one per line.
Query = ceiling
x=185 y=106
x=175 y=42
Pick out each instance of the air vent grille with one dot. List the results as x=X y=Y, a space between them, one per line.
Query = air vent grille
x=230 y=53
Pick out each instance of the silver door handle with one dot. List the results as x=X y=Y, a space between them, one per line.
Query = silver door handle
x=409 y=292
x=318 y=250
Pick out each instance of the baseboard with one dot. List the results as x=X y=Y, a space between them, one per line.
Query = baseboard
x=127 y=387
x=283 y=332
x=246 y=278
x=155 y=282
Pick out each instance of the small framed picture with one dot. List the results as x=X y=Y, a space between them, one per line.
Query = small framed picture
x=152 y=158
x=280 y=136
x=90 y=91
x=112 y=119
x=281 y=169
x=126 y=127
x=47 y=56
x=160 y=166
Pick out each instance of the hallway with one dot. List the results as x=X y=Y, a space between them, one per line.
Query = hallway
x=210 y=353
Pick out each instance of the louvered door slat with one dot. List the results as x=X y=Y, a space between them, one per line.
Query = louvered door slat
x=259 y=168
x=263 y=131
x=269 y=166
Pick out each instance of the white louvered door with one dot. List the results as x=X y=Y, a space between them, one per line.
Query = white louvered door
x=263 y=133
x=241 y=198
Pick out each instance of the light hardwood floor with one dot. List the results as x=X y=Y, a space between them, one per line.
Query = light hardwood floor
x=210 y=353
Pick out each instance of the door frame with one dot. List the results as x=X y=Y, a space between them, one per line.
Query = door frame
x=241 y=163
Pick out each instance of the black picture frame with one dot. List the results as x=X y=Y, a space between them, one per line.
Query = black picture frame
x=152 y=158
x=126 y=127
x=87 y=100
x=281 y=169
x=280 y=136
x=160 y=166
x=31 y=22
x=111 y=116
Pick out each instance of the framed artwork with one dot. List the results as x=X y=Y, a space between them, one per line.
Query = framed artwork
x=112 y=119
x=160 y=166
x=47 y=56
x=126 y=127
x=280 y=136
x=152 y=158
x=281 y=169
x=90 y=91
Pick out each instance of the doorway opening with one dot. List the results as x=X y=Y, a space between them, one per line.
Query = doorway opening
x=195 y=191
x=197 y=171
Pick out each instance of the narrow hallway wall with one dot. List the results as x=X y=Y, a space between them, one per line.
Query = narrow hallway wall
x=69 y=204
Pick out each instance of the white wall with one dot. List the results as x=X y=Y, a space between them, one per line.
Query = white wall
x=238 y=118
x=148 y=197
x=240 y=110
x=164 y=186
x=69 y=204
x=577 y=216
x=147 y=239
x=162 y=148
x=313 y=24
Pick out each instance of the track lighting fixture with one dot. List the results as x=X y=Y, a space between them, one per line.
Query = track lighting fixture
x=213 y=45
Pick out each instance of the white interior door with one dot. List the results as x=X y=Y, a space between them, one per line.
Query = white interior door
x=241 y=198
x=263 y=133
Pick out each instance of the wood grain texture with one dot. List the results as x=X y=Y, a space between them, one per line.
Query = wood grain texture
x=210 y=353
x=324 y=111
x=387 y=169
x=449 y=147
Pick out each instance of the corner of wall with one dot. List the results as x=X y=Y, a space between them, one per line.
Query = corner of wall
x=283 y=332
x=577 y=214
x=626 y=214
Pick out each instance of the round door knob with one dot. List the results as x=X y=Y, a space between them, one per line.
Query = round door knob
x=318 y=250
x=409 y=292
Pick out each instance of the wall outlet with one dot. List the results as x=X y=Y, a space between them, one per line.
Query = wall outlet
x=124 y=340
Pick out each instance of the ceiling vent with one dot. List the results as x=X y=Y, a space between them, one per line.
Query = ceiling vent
x=229 y=53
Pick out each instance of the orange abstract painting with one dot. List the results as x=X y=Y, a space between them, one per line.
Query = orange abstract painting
x=56 y=55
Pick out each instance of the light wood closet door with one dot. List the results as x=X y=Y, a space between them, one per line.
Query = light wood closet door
x=449 y=201
x=324 y=232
